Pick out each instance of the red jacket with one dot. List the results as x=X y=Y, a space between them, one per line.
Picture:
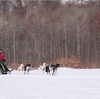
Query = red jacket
x=1 y=56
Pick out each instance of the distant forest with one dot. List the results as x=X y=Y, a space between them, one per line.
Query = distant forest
x=47 y=31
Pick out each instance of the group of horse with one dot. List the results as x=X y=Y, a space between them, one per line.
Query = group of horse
x=45 y=68
x=49 y=69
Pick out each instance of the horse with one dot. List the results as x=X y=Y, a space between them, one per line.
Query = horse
x=54 y=68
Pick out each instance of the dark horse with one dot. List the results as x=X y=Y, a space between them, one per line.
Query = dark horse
x=54 y=68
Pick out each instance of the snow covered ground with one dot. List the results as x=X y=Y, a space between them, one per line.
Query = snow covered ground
x=67 y=84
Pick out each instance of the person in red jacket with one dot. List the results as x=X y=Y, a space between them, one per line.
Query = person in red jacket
x=3 y=67
x=2 y=58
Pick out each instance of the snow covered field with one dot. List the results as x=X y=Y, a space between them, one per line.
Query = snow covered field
x=67 y=84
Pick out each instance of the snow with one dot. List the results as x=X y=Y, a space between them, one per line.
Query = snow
x=67 y=84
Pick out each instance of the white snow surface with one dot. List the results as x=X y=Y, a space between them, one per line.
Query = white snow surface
x=66 y=84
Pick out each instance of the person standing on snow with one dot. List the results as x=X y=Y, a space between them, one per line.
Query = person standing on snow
x=3 y=67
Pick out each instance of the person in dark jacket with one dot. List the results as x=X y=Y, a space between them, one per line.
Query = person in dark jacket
x=3 y=67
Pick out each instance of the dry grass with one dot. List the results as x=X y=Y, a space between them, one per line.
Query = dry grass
x=71 y=62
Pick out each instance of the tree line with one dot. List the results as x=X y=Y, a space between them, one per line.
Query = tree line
x=46 y=31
